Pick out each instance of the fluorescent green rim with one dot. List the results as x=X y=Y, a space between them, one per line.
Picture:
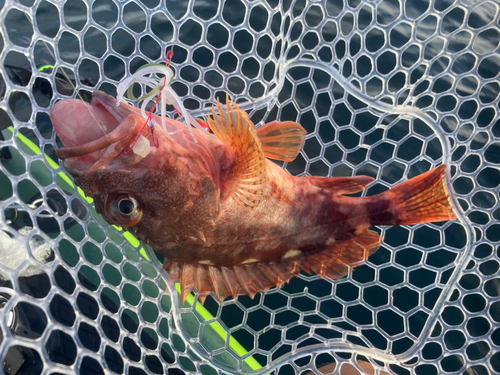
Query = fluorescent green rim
x=203 y=312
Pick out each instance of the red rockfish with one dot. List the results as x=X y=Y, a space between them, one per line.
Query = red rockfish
x=228 y=220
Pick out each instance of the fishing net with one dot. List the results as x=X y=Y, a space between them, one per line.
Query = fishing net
x=387 y=89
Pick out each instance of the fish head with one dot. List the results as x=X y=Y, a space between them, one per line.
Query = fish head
x=155 y=185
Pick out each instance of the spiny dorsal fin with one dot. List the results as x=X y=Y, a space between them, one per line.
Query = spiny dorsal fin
x=282 y=140
x=341 y=185
x=248 y=177
x=332 y=260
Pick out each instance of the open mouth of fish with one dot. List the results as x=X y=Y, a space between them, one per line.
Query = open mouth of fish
x=95 y=133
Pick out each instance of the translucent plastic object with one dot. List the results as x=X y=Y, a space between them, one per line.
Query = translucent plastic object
x=385 y=88
x=160 y=90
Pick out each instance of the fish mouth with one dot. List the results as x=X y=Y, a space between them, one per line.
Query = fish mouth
x=94 y=133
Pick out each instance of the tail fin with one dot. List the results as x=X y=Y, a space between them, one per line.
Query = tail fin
x=423 y=199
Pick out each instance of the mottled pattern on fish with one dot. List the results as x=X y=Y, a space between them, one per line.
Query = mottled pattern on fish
x=232 y=222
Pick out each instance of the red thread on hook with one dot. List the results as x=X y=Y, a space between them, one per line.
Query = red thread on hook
x=168 y=60
x=168 y=57
x=149 y=122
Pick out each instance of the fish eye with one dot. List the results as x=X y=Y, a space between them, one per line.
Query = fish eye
x=125 y=210
x=127 y=206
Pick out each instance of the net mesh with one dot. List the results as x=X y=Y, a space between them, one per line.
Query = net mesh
x=387 y=89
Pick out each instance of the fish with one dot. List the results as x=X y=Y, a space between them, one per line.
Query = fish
x=229 y=220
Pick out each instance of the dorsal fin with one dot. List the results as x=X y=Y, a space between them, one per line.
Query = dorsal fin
x=247 y=180
x=282 y=140
x=342 y=185
x=332 y=260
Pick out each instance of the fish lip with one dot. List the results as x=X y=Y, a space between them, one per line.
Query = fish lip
x=123 y=130
x=108 y=102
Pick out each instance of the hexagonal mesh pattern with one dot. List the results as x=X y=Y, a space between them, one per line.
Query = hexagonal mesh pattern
x=387 y=89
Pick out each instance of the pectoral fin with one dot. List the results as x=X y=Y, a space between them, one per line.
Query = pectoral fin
x=247 y=179
x=282 y=140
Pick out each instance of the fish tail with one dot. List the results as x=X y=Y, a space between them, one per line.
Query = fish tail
x=422 y=199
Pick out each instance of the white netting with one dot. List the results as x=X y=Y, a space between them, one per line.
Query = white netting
x=386 y=88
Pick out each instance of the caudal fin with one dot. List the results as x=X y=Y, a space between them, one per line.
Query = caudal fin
x=423 y=199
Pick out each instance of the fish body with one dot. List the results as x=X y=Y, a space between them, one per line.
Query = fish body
x=229 y=220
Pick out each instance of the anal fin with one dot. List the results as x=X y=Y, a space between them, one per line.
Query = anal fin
x=342 y=185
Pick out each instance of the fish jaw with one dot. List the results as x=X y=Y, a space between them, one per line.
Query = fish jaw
x=95 y=133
